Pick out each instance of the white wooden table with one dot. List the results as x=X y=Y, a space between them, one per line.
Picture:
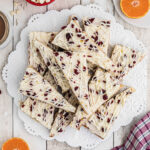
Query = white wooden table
x=10 y=124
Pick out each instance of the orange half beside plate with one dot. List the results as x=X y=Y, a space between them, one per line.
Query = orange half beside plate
x=15 y=144
x=134 y=8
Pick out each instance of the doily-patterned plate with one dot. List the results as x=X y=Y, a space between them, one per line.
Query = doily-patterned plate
x=53 y=21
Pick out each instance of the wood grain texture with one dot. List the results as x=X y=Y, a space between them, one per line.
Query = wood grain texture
x=63 y=4
x=55 y=145
x=26 y=10
x=5 y=99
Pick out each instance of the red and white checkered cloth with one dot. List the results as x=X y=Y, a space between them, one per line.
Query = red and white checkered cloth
x=139 y=137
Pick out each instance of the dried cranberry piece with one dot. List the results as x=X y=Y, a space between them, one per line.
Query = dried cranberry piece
x=72 y=25
x=104 y=81
x=104 y=22
x=118 y=101
x=37 y=50
x=31 y=108
x=27 y=73
x=39 y=115
x=84 y=68
x=105 y=97
x=86 y=40
x=56 y=54
x=78 y=63
x=86 y=96
x=91 y=19
x=22 y=105
x=100 y=43
x=102 y=129
x=133 y=56
x=78 y=30
x=74 y=18
x=108 y=22
x=83 y=37
x=96 y=38
x=60 y=130
x=69 y=54
x=103 y=91
x=34 y=94
x=76 y=88
x=34 y=103
x=91 y=46
x=63 y=27
x=76 y=71
x=108 y=120
x=68 y=36
x=78 y=35
x=129 y=66
x=48 y=63
x=89 y=56
x=134 y=62
x=71 y=42
x=86 y=23
x=45 y=94
x=28 y=93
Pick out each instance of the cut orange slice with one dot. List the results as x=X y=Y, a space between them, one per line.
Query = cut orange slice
x=134 y=8
x=15 y=144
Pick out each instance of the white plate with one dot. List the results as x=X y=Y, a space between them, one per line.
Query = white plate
x=53 y=21
x=143 y=22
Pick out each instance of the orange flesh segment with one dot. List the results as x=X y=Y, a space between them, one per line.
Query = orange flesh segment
x=15 y=144
x=134 y=8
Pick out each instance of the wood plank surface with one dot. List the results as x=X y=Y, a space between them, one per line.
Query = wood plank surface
x=63 y=4
x=26 y=10
x=5 y=100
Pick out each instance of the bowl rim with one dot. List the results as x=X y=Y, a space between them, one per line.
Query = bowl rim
x=38 y=4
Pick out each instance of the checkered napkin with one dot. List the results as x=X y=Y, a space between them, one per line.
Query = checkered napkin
x=139 y=137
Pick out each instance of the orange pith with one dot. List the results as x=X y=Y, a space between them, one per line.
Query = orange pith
x=15 y=144
x=134 y=8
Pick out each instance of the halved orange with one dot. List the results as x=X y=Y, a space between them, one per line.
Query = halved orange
x=15 y=144
x=134 y=8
